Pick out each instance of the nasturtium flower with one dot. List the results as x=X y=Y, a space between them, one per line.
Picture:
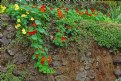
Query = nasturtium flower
x=42 y=8
x=16 y=6
x=27 y=12
x=51 y=8
x=49 y=59
x=2 y=8
x=37 y=55
x=18 y=20
x=23 y=31
x=42 y=60
x=33 y=32
x=63 y=38
x=17 y=26
x=60 y=13
x=34 y=24
x=66 y=9
x=93 y=10
x=23 y=15
x=32 y=18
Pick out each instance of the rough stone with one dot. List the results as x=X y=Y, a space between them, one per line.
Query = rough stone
x=64 y=62
x=16 y=72
x=58 y=72
x=89 y=54
x=87 y=67
x=81 y=69
x=4 y=17
x=81 y=76
x=10 y=35
x=56 y=57
x=57 y=63
x=12 y=51
x=5 y=33
x=117 y=60
x=87 y=79
x=1 y=35
x=3 y=69
x=4 y=41
x=51 y=78
x=62 y=78
x=19 y=58
x=117 y=72
x=10 y=28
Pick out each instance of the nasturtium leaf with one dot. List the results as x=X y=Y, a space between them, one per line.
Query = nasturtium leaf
x=34 y=37
x=41 y=30
x=38 y=22
x=35 y=45
x=33 y=57
x=46 y=49
x=40 y=41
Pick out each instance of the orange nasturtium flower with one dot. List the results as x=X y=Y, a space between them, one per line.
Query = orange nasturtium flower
x=33 y=32
x=68 y=27
x=34 y=6
x=86 y=12
x=37 y=55
x=51 y=8
x=93 y=10
x=63 y=38
x=42 y=8
x=49 y=59
x=42 y=60
x=67 y=9
x=60 y=13
x=34 y=24
x=81 y=13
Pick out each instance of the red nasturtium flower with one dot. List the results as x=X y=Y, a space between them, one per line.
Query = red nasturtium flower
x=33 y=32
x=63 y=38
x=93 y=10
x=68 y=27
x=67 y=9
x=77 y=10
x=60 y=13
x=37 y=55
x=90 y=14
x=81 y=13
x=43 y=49
x=86 y=12
x=34 y=6
x=108 y=15
x=34 y=24
x=49 y=59
x=51 y=8
x=42 y=8
x=43 y=60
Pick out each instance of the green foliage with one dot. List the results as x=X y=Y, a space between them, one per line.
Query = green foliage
x=118 y=79
x=33 y=24
x=105 y=34
x=8 y=75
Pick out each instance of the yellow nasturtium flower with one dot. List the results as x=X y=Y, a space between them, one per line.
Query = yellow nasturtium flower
x=18 y=25
x=23 y=15
x=23 y=31
x=2 y=8
x=16 y=6
x=27 y=12
x=32 y=18
x=18 y=20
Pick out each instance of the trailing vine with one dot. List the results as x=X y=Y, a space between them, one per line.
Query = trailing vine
x=33 y=23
